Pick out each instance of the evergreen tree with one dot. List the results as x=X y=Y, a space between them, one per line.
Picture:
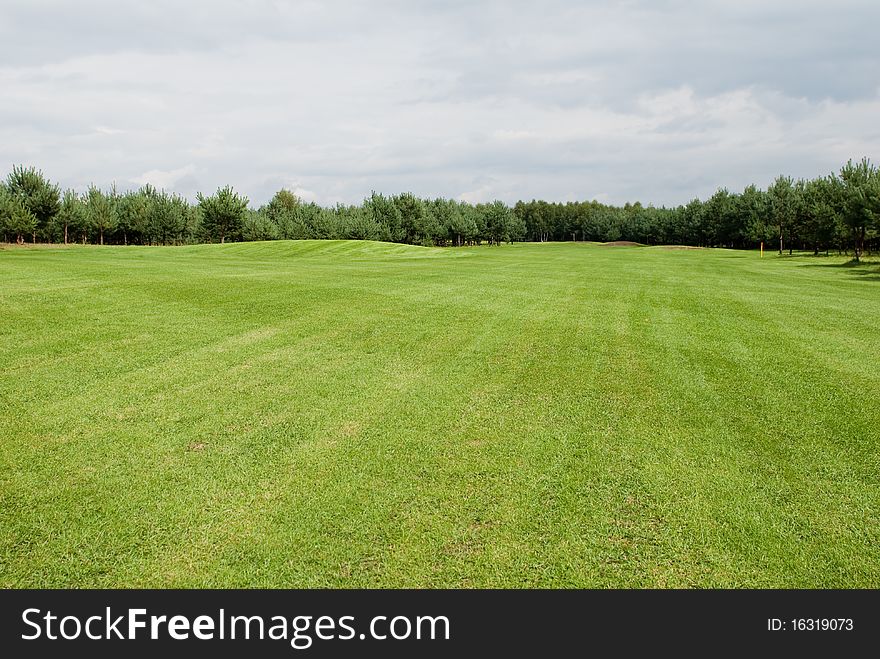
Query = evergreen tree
x=223 y=213
x=34 y=194
x=782 y=206
x=101 y=211
x=859 y=201
x=71 y=213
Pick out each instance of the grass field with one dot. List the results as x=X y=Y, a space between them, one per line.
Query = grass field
x=361 y=414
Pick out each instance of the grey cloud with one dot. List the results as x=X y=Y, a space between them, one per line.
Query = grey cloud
x=814 y=51
x=48 y=31
x=657 y=101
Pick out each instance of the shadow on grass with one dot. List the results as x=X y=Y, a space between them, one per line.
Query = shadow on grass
x=864 y=270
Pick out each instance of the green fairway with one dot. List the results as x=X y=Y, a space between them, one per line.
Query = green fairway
x=356 y=414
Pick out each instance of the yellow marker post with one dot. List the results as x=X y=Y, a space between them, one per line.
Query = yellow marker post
x=762 y=249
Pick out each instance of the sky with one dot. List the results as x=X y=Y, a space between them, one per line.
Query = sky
x=658 y=101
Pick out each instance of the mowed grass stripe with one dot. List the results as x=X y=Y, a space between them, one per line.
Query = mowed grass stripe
x=359 y=414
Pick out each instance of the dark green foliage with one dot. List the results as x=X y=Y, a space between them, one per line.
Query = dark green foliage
x=839 y=212
x=287 y=213
x=102 y=211
x=36 y=198
x=822 y=198
x=18 y=220
x=752 y=210
x=386 y=215
x=169 y=218
x=860 y=201
x=133 y=213
x=412 y=212
x=782 y=207
x=460 y=223
x=5 y=212
x=356 y=225
x=73 y=217
x=258 y=226
x=223 y=213
x=497 y=218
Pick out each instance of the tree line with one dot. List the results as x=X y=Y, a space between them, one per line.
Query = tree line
x=838 y=212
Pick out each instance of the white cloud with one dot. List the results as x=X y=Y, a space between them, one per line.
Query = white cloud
x=106 y=130
x=164 y=180
x=657 y=101
x=479 y=195
x=305 y=195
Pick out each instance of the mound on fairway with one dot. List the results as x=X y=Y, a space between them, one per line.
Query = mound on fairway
x=362 y=414
x=337 y=249
x=621 y=243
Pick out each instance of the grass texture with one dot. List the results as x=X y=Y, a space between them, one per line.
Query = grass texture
x=356 y=414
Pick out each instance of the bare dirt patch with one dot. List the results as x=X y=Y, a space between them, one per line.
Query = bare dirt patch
x=621 y=243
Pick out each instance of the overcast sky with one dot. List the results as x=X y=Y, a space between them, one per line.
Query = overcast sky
x=655 y=101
